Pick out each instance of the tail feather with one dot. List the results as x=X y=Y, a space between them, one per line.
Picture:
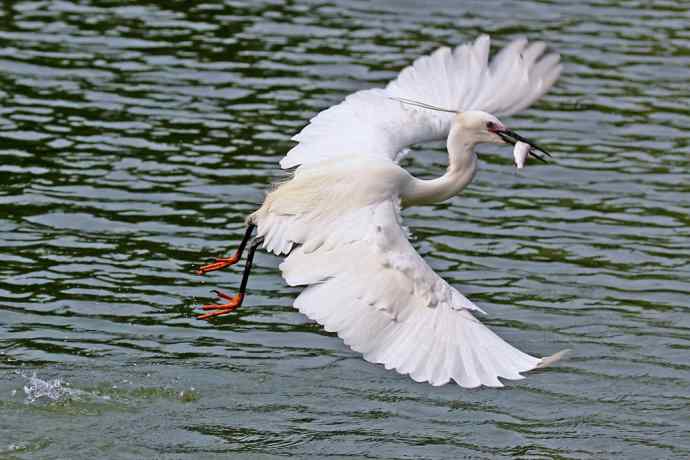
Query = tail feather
x=554 y=358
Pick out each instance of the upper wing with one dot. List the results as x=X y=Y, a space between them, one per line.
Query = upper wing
x=368 y=122
x=367 y=283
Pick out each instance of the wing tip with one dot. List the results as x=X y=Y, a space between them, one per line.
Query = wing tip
x=482 y=38
x=287 y=163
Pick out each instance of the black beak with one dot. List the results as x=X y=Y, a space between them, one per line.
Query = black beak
x=512 y=137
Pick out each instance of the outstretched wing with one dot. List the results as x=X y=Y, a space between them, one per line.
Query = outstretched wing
x=368 y=284
x=368 y=122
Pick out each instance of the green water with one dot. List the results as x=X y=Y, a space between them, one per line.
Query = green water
x=135 y=139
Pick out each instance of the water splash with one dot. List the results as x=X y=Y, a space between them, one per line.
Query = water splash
x=58 y=390
x=53 y=390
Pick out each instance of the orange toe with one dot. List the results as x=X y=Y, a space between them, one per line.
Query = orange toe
x=222 y=309
x=218 y=265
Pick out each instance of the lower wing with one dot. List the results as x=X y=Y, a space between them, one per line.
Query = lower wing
x=373 y=289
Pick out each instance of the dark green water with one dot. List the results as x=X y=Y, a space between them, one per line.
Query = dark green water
x=135 y=139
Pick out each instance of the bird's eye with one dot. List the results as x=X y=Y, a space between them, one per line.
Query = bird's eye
x=491 y=126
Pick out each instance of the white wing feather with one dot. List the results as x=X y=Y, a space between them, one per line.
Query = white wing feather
x=376 y=292
x=365 y=281
x=369 y=123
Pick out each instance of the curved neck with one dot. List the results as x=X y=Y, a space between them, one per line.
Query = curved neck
x=462 y=166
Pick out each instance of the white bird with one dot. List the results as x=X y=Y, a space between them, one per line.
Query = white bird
x=338 y=223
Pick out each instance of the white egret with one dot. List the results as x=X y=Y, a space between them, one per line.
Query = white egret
x=337 y=220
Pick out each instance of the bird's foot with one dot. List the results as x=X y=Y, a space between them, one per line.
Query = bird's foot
x=232 y=304
x=218 y=264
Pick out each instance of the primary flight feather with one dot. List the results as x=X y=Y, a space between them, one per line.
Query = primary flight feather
x=338 y=223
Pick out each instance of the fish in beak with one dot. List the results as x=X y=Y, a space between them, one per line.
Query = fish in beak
x=513 y=138
x=520 y=154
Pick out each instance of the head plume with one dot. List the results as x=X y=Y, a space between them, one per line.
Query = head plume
x=422 y=104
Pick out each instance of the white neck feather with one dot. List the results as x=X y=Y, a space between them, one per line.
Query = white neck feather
x=462 y=166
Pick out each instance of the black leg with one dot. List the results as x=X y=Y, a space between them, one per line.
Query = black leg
x=245 y=239
x=248 y=266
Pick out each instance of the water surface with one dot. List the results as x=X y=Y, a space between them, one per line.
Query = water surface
x=134 y=140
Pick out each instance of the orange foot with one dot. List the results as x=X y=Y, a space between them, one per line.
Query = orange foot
x=232 y=304
x=218 y=264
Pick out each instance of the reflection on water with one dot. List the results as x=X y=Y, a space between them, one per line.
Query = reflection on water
x=134 y=139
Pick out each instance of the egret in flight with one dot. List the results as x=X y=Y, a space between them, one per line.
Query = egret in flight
x=337 y=220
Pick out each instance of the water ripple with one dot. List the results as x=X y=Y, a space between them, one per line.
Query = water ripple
x=134 y=140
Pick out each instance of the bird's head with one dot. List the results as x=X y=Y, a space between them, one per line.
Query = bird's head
x=479 y=127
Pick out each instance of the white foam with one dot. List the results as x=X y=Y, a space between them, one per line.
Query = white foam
x=53 y=390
